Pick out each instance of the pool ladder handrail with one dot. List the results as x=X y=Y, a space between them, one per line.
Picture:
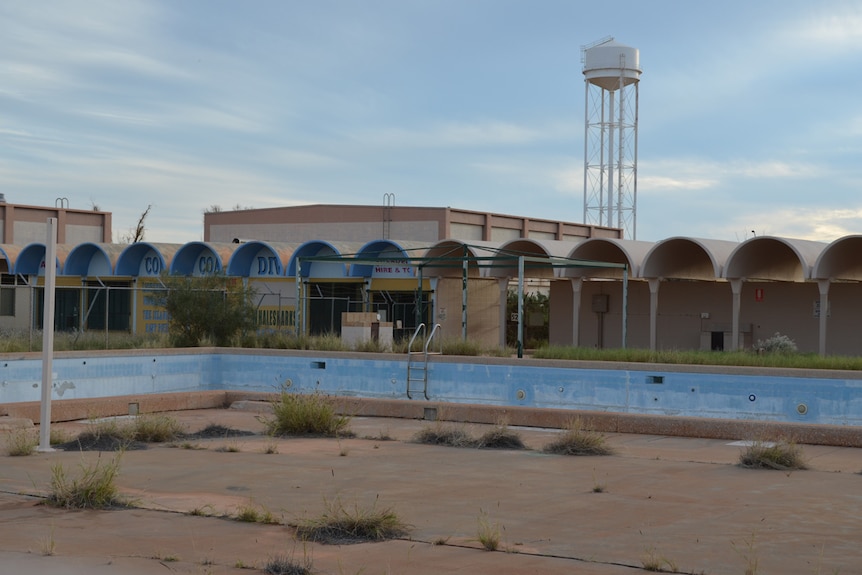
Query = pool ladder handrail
x=415 y=365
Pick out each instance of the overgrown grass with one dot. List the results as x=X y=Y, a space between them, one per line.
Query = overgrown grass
x=21 y=341
x=654 y=561
x=488 y=533
x=94 y=488
x=342 y=523
x=575 y=440
x=724 y=358
x=780 y=454
x=500 y=437
x=287 y=565
x=251 y=513
x=306 y=414
x=113 y=434
x=22 y=442
x=441 y=433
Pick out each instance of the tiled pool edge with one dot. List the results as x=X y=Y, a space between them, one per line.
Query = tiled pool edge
x=707 y=428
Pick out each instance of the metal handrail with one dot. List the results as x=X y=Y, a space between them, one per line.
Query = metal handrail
x=419 y=329
x=431 y=338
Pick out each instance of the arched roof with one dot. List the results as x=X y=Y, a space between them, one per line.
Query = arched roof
x=687 y=258
x=91 y=260
x=628 y=252
x=260 y=259
x=30 y=258
x=10 y=253
x=145 y=259
x=387 y=249
x=321 y=248
x=201 y=258
x=773 y=258
x=543 y=249
x=449 y=254
x=840 y=260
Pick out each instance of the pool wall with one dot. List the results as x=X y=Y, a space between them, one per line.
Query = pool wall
x=750 y=394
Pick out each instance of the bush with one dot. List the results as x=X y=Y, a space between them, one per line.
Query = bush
x=444 y=434
x=776 y=344
x=500 y=437
x=214 y=309
x=21 y=442
x=311 y=414
x=575 y=440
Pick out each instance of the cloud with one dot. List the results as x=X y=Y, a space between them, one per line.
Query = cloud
x=490 y=133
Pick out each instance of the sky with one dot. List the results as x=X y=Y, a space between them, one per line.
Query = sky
x=750 y=113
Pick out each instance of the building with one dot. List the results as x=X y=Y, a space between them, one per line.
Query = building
x=366 y=223
x=22 y=224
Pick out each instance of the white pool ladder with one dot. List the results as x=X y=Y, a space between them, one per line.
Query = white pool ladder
x=417 y=361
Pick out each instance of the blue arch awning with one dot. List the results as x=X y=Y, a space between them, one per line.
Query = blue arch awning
x=317 y=248
x=144 y=259
x=259 y=259
x=88 y=260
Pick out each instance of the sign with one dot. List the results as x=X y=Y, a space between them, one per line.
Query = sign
x=393 y=269
x=758 y=295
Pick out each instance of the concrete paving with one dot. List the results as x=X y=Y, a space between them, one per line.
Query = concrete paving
x=680 y=503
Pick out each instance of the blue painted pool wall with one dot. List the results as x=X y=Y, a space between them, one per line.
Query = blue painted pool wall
x=716 y=394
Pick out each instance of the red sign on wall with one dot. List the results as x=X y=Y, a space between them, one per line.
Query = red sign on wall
x=758 y=294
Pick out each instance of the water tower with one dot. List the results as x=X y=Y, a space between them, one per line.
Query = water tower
x=611 y=76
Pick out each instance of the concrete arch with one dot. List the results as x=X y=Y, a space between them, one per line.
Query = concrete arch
x=385 y=249
x=91 y=260
x=260 y=259
x=29 y=261
x=201 y=258
x=531 y=248
x=317 y=248
x=773 y=258
x=449 y=251
x=628 y=252
x=840 y=260
x=687 y=258
x=145 y=259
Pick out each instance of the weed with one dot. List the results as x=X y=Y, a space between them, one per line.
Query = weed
x=749 y=554
x=251 y=514
x=188 y=445
x=342 y=524
x=155 y=429
x=166 y=558
x=271 y=448
x=441 y=540
x=306 y=414
x=381 y=436
x=444 y=434
x=575 y=440
x=782 y=455
x=95 y=488
x=228 y=448
x=488 y=533
x=204 y=511
x=287 y=565
x=48 y=544
x=653 y=561
x=501 y=437
x=59 y=436
x=21 y=442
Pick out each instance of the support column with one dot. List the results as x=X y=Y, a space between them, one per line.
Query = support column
x=577 y=285
x=654 y=284
x=736 y=288
x=823 y=286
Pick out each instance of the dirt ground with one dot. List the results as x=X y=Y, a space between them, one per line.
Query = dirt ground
x=675 y=503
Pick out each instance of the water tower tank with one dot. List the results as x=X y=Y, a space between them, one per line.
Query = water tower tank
x=606 y=64
x=611 y=79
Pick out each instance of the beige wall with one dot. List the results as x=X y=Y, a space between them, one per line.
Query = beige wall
x=483 y=309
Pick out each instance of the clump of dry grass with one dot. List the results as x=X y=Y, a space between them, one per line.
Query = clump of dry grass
x=444 y=434
x=94 y=488
x=306 y=414
x=781 y=454
x=21 y=442
x=341 y=523
x=500 y=437
x=575 y=440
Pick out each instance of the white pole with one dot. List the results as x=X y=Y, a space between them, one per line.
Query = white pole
x=48 y=336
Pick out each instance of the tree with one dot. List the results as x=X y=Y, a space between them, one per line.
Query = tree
x=211 y=309
x=137 y=235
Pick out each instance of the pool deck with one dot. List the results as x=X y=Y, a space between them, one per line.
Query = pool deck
x=678 y=501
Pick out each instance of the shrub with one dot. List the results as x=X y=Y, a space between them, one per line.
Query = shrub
x=501 y=437
x=94 y=488
x=156 y=428
x=287 y=565
x=309 y=414
x=341 y=524
x=778 y=344
x=211 y=308
x=488 y=533
x=575 y=440
x=21 y=442
x=782 y=455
